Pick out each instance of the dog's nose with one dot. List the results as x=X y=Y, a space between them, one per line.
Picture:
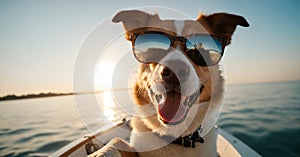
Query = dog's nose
x=175 y=71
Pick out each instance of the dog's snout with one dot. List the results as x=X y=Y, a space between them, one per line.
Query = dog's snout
x=175 y=71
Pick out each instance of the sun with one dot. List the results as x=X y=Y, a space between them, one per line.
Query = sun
x=103 y=76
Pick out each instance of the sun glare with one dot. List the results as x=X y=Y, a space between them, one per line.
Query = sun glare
x=103 y=76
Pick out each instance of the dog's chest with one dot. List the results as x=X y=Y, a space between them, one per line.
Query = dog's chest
x=179 y=151
x=208 y=149
x=171 y=151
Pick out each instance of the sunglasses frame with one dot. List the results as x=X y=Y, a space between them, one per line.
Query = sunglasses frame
x=182 y=39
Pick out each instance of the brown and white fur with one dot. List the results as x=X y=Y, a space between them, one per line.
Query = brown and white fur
x=145 y=139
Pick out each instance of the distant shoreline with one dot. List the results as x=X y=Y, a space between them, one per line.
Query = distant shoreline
x=44 y=95
x=30 y=96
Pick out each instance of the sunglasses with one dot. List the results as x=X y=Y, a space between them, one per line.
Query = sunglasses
x=202 y=49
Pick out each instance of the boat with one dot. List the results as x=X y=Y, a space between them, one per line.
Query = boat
x=227 y=145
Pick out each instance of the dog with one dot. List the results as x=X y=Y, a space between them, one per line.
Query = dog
x=178 y=81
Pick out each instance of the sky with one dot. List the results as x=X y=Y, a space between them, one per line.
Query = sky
x=40 y=40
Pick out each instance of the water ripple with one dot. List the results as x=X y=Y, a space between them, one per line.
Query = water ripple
x=26 y=139
x=52 y=146
x=17 y=131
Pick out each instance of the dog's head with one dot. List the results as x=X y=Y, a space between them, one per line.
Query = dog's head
x=179 y=73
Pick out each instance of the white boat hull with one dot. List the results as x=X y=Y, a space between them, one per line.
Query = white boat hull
x=227 y=145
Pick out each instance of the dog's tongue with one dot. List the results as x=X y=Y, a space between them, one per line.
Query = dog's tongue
x=172 y=110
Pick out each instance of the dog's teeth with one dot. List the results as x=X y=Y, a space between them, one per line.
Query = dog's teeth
x=185 y=100
x=192 y=99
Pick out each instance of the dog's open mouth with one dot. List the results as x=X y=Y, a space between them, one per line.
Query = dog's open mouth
x=173 y=107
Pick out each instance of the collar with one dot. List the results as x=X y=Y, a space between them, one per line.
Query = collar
x=187 y=141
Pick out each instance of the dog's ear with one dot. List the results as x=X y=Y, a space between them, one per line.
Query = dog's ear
x=133 y=19
x=224 y=24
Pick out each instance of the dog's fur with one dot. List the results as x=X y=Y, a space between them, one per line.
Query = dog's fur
x=221 y=25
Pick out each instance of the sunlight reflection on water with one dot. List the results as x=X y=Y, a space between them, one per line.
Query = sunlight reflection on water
x=111 y=111
x=108 y=106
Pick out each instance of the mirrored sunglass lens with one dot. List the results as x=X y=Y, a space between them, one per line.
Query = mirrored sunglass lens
x=204 y=50
x=151 y=47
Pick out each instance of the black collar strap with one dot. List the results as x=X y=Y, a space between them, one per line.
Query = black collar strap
x=187 y=141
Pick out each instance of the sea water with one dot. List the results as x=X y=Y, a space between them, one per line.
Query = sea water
x=265 y=116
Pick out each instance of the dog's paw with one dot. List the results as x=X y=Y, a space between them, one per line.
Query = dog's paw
x=115 y=148
x=106 y=152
